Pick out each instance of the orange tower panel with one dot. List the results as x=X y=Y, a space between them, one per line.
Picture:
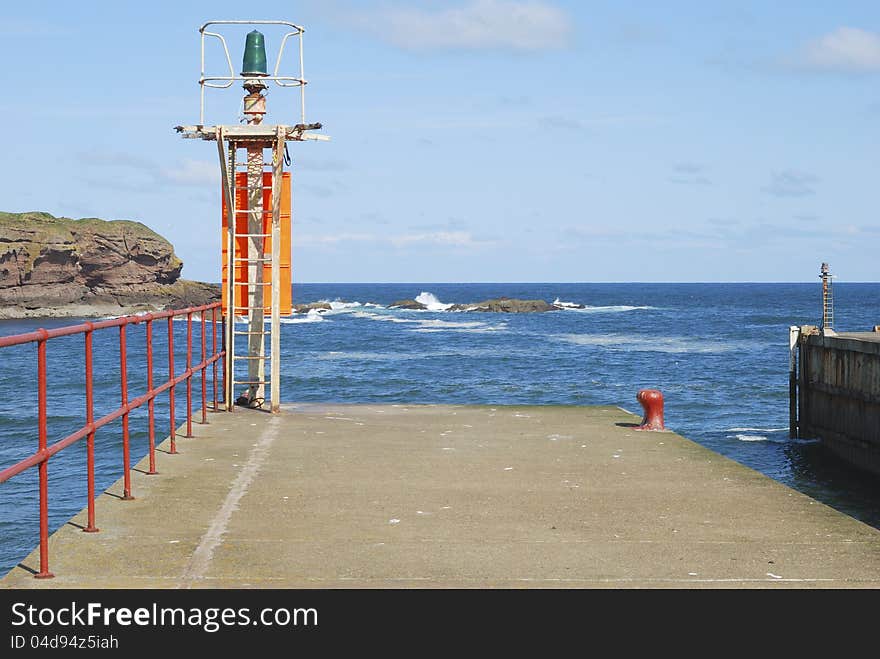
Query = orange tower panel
x=241 y=245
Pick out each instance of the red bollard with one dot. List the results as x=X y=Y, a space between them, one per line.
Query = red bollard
x=652 y=402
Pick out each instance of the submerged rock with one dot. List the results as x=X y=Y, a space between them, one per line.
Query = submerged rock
x=55 y=266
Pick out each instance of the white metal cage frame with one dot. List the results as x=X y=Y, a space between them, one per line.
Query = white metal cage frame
x=226 y=81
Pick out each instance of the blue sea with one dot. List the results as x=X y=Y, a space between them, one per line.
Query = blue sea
x=718 y=352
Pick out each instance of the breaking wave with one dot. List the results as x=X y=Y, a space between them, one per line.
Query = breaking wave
x=431 y=302
x=313 y=316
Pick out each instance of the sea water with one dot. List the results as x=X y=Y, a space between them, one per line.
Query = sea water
x=718 y=352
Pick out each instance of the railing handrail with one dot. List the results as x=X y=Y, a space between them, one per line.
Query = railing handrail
x=45 y=451
x=70 y=330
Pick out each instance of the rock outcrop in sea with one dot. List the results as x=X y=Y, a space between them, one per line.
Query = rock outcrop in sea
x=507 y=305
x=412 y=305
x=496 y=305
x=56 y=266
x=318 y=306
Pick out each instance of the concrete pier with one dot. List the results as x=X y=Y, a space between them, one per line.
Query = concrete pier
x=405 y=496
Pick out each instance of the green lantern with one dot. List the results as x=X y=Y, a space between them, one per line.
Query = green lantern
x=254 y=63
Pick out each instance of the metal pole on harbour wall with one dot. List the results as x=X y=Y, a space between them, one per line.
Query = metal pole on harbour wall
x=827 y=301
x=793 y=343
x=275 y=334
x=227 y=165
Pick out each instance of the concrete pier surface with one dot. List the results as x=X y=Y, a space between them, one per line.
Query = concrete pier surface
x=873 y=337
x=430 y=496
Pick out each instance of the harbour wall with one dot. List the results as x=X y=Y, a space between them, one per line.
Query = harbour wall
x=838 y=394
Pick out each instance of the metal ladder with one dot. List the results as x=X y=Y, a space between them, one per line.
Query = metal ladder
x=255 y=309
x=828 y=306
x=261 y=298
x=827 y=298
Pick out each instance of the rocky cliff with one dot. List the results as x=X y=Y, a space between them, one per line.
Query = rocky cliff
x=55 y=266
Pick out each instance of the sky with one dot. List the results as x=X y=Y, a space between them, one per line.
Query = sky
x=475 y=140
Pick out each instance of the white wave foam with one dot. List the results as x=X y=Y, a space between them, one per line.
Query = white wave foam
x=447 y=324
x=667 y=344
x=783 y=439
x=453 y=349
x=243 y=320
x=384 y=318
x=338 y=306
x=566 y=305
x=472 y=330
x=431 y=302
x=180 y=319
x=368 y=356
x=341 y=305
x=751 y=438
x=313 y=316
x=585 y=308
x=608 y=309
x=433 y=325
x=755 y=429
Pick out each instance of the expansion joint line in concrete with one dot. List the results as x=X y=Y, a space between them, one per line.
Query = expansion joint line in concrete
x=201 y=559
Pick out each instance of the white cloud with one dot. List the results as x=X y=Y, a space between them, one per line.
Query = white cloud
x=791 y=183
x=689 y=173
x=332 y=239
x=691 y=168
x=443 y=238
x=479 y=24
x=844 y=49
x=114 y=159
x=132 y=170
x=192 y=172
x=453 y=238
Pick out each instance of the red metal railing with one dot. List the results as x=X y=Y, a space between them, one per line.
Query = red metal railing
x=45 y=451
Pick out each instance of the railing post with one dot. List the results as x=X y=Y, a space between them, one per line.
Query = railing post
x=44 y=465
x=173 y=448
x=90 y=440
x=226 y=354
x=123 y=383
x=214 y=352
x=189 y=375
x=151 y=408
x=204 y=369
